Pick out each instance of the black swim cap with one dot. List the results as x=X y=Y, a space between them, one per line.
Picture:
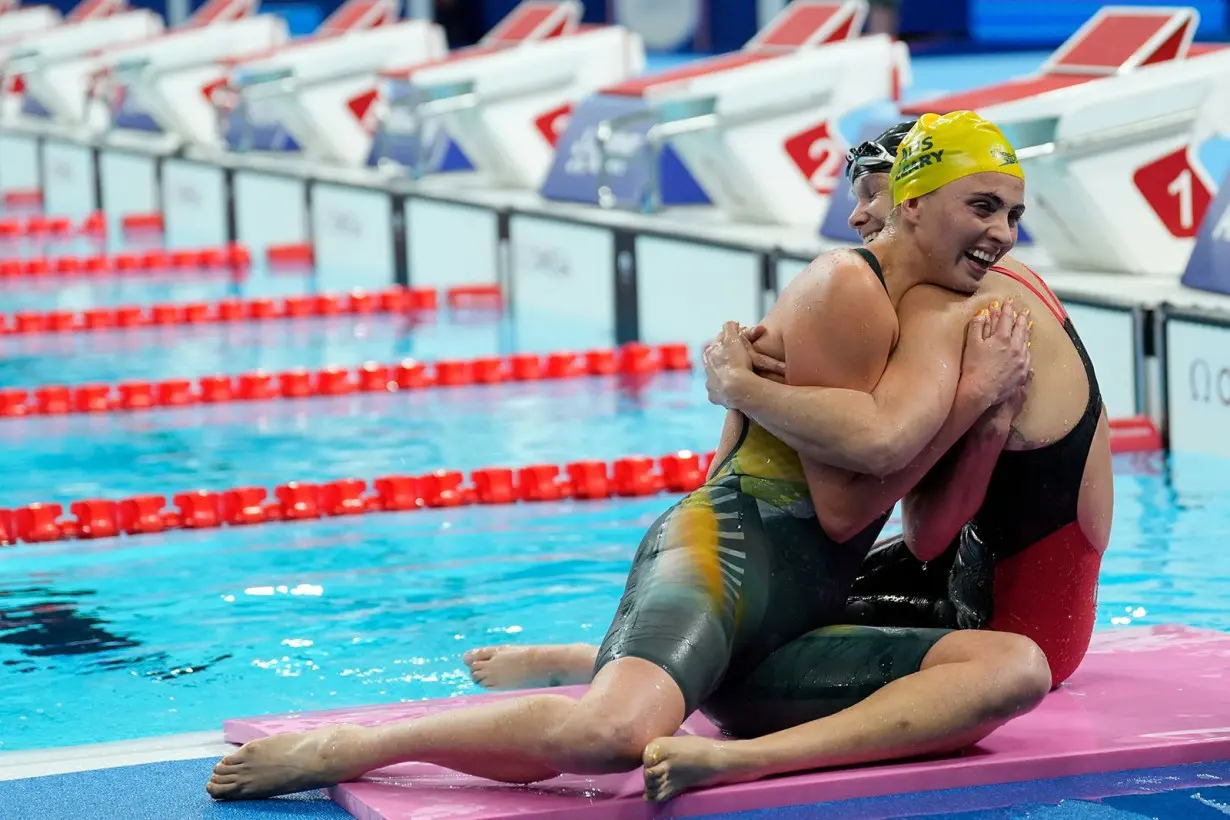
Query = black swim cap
x=876 y=156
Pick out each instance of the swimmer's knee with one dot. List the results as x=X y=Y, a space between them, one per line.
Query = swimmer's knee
x=607 y=743
x=1014 y=666
x=1025 y=664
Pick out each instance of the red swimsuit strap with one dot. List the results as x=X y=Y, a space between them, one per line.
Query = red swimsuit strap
x=1053 y=302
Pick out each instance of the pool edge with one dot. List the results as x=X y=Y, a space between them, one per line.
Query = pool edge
x=94 y=756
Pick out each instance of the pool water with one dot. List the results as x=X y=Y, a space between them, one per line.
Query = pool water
x=136 y=637
x=133 y=637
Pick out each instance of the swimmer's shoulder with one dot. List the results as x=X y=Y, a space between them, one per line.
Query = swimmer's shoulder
x=838 y=280
x=836 y=308
x=938 y=313
x=929 y=299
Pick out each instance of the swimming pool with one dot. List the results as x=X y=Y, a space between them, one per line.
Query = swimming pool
x=139 y=637
x=135 y=637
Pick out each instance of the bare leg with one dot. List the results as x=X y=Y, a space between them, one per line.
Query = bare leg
x=520 y=740
x=524 y=667
x=970 y=683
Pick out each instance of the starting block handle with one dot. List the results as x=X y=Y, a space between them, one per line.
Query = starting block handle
x=23 y=60
x=132 y=64
x=425 y=102
x=1109 y=139
x=667 y=121
x=649 y=152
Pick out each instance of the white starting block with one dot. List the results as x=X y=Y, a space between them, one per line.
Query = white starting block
x=1107 y=133
x=186 y=102
x=215 y=28
x=40 y=59
x=16 y=23
x=531 y=21
x=506 y=107
x=758 y=129
x=311 y=88
x=166 y=81
x=17 y=27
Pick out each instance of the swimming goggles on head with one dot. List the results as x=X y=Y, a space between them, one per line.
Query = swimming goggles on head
x=868 y=158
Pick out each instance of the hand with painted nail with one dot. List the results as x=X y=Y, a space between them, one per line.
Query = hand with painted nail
x=996 y=363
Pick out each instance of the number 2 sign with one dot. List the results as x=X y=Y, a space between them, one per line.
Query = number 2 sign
x=1176 y=192
x=820 y=156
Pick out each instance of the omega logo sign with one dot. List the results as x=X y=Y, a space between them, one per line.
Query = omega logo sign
x=544 y=260
x=345 y=223
x=187 y=194
x=1209 y=383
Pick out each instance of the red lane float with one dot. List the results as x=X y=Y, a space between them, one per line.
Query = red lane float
x=144 y=224
x=22 y=198
x=232 y=257
x=1135 y=434
x=634 y=476
x=294 y=255
x=470 y=297
x=629 y=359
x=44 y=225
x=395 y=300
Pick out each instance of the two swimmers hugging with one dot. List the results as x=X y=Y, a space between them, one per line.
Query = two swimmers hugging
x=926 y=367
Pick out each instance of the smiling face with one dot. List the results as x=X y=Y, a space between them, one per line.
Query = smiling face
x=967 y=226
x=874 y=202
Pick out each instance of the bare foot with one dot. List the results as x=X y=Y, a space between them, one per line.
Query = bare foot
x=675 y=764
x=526 y=667
x=288 y=763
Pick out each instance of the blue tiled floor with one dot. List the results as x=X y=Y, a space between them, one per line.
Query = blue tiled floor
x=175 y=791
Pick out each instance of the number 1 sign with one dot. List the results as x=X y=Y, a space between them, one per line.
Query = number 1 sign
x=1176 y=192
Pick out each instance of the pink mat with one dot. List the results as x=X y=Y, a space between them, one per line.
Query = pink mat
x=1142 y=698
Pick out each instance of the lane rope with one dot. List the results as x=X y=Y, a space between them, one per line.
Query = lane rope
x=633 y=358
x=628 y=477
x=394 y=300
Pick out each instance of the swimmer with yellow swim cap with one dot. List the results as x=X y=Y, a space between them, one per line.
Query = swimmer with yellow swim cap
x=958 y=195
x=735 y=598
x=1034 y=476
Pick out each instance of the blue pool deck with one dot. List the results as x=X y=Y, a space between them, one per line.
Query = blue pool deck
x=175 y=789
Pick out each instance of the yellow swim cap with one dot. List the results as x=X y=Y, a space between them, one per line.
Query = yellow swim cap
x=942 y=148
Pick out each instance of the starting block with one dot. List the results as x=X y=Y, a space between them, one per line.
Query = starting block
x=27 y=33
x=1107 y=133
x=506 y=101
x=757 y=129
x=400 y=138
x=340 y=115
x=17 y=23
x=308 y=88
x=611 y=145
x=57 y=85
x=137 y=88
x=1143 y=697
x=203 y=99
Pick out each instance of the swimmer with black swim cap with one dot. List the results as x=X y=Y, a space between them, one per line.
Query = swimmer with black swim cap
x=730 y=584
x=867 y=168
